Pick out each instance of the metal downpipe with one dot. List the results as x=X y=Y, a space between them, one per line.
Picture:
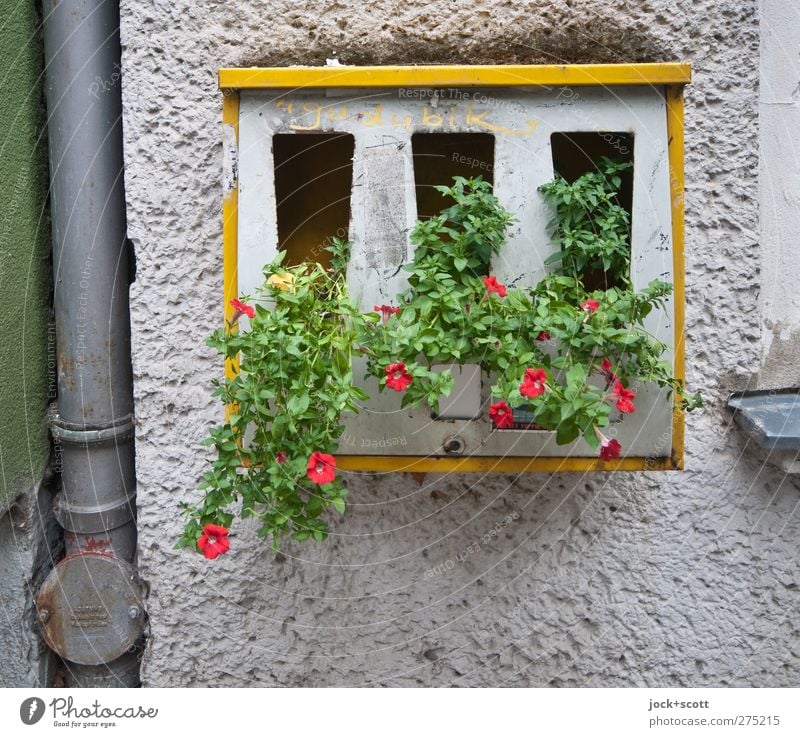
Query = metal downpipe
x=90 y=607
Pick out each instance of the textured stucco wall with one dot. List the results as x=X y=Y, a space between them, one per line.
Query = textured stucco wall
x=779 y=120
x=24 y=346
x=591 y=580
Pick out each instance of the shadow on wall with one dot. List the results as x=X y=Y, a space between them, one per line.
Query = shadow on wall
x=577 y=41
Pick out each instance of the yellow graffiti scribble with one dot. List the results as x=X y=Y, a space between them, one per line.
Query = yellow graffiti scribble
x=316 y=109
x=431 y=120
x=335 y=114
x=371 y=119
x=404 y=123
x=479 y=120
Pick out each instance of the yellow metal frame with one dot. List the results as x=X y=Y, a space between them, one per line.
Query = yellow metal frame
x=456 y=76
x=672 y=77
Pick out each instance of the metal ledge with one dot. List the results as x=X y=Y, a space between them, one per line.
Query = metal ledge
x=771 y=417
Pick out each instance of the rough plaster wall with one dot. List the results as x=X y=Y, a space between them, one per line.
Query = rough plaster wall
x=779 y=119
x=29 y=545
x=591 y=580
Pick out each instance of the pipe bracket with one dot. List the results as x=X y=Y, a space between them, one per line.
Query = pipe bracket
x=89 y=520
x=70 y=432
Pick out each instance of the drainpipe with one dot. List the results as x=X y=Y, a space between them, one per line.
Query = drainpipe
x=90 y=607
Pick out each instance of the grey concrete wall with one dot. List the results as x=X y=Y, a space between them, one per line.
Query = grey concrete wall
x=589 y=579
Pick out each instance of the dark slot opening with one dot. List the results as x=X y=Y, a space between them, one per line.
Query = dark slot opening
x=575 y=154
x=438 y=157
x=313 y=180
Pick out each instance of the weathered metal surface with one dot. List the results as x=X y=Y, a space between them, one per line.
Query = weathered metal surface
x=85 y=608
x=121 y=673
x=88 y=595
x=384 y=210
x=771 y=418
x=83 y=434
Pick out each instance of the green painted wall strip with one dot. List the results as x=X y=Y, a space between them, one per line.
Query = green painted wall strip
x=24 y=255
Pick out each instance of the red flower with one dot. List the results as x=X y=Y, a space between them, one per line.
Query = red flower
x=590 y=305
x=492 y=285
x=502 y=416
x=609 y=449
x=544 y=335
x=214 y=541
x=321 y=468
x=386 y=312
x=624 y=397
x=397 y=377
x=243 y=308
x=280 y=457
x=606 y=367
x=533 y=383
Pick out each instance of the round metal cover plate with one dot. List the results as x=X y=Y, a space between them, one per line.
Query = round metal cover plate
x=90 y=608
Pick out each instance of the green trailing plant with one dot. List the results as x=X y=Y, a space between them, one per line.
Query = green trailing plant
x=569 y=354
x=590 y=225
x=294 y=381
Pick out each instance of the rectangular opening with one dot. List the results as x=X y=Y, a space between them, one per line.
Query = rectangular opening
x=575 y=154
x=313 y=179
x=438 y=157
x=464 y=402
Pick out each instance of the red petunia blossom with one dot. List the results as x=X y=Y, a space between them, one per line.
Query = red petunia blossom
x=624 y=397
x=243 y=308
x=606 y=368
x=280 y=457
x=214 y=541
x=321 y=468
x=492 y=285
x=501 y=414
x=590 y=305
x=386 y=312
x=397 y=377
x=533 y=383
x=609 y=449
x=544 y=335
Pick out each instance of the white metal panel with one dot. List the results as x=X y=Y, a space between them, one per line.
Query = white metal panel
x=383 y=211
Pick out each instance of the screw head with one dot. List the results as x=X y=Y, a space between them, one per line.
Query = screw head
x=454 y=445
x=44 y=615
x=134 y=612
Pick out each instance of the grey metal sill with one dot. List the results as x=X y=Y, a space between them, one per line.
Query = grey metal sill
x=771 y=418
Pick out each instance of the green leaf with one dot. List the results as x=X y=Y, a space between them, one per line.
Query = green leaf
x=298 y=404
